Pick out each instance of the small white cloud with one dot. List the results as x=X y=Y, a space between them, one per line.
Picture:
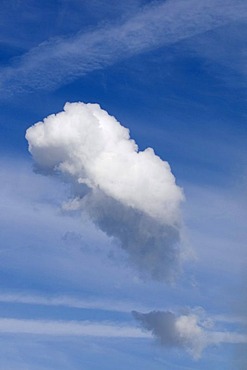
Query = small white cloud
x=189 y=331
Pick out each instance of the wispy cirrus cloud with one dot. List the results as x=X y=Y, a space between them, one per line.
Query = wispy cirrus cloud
x=59 y=61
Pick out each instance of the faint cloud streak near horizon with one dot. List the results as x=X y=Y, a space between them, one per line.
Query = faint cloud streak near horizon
x=69 y=328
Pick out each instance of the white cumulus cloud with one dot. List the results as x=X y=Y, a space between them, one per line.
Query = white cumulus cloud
x=131 y=195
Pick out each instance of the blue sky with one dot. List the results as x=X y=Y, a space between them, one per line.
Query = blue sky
x=174 y=73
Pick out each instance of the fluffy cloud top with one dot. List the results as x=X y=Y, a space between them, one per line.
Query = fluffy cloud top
x=87 y=143
x=130 y=194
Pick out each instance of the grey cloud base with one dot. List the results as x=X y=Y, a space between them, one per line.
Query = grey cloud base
x=152 y=247
x=171 y=330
